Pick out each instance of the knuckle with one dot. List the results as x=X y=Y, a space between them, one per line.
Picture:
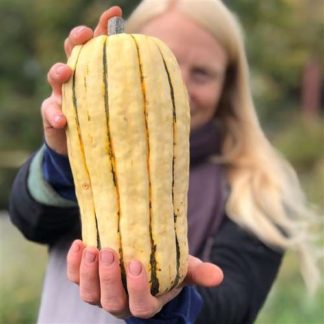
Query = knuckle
x=142 y=311
x=45 y=104
x=113 y=305
x=73 y=277
x=90 y=297
x=87 y=276
x=48 y=105
x=107 y=280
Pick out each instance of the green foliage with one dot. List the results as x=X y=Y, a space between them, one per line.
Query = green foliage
x=280 y=36
x=302 y=142
x=288 y=302
x=20 y=285
x=33 y=40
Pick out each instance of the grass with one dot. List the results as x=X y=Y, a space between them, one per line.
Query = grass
x=21 y=275
x=288 y=302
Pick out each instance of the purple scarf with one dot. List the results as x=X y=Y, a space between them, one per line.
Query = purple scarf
x=207 y=194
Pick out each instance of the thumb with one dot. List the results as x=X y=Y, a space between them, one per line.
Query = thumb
x=204 y=274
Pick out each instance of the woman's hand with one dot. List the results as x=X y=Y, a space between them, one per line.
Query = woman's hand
x=54 y=121
x=99 y=278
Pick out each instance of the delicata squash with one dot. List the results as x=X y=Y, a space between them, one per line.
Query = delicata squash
x=128 y=121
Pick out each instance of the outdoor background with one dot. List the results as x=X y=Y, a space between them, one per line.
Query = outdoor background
x=284 y=40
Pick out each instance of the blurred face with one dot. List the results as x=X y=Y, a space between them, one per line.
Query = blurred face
x=201 y=58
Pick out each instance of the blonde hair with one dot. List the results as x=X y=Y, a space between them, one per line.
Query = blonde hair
x=265 y=198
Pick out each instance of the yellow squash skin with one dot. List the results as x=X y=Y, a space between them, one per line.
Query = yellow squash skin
x=128 y=144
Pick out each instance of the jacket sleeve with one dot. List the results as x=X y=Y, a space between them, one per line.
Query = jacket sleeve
x=37 y=220
x=249 y=267
x=183 y=309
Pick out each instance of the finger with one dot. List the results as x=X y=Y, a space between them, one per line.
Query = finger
x=73 y=260
x=78 y=35
x=89 y=276
x=203 y=273
x=141 y=303
x=101 y=28
x=113 y=297
x=57 y=75
x=52 y=114
x=54 y=123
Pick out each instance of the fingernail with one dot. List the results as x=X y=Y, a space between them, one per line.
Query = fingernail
x=59 y=69
x=135 y=268
x=90 y=257
x=79 y=30
x=107 y=257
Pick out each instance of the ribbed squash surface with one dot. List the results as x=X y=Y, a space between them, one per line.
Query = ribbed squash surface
x=128 y=144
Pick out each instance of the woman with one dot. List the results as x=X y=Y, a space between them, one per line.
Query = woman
x=245 y=204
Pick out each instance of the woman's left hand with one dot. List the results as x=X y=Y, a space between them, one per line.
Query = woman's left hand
x=99 y=278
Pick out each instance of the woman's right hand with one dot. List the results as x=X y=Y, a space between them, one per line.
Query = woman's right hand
x=54 y=121
x=98 y=275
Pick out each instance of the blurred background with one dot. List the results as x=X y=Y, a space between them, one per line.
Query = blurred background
x=284 y=40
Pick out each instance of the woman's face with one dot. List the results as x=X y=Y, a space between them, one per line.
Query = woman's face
x=201 y=58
